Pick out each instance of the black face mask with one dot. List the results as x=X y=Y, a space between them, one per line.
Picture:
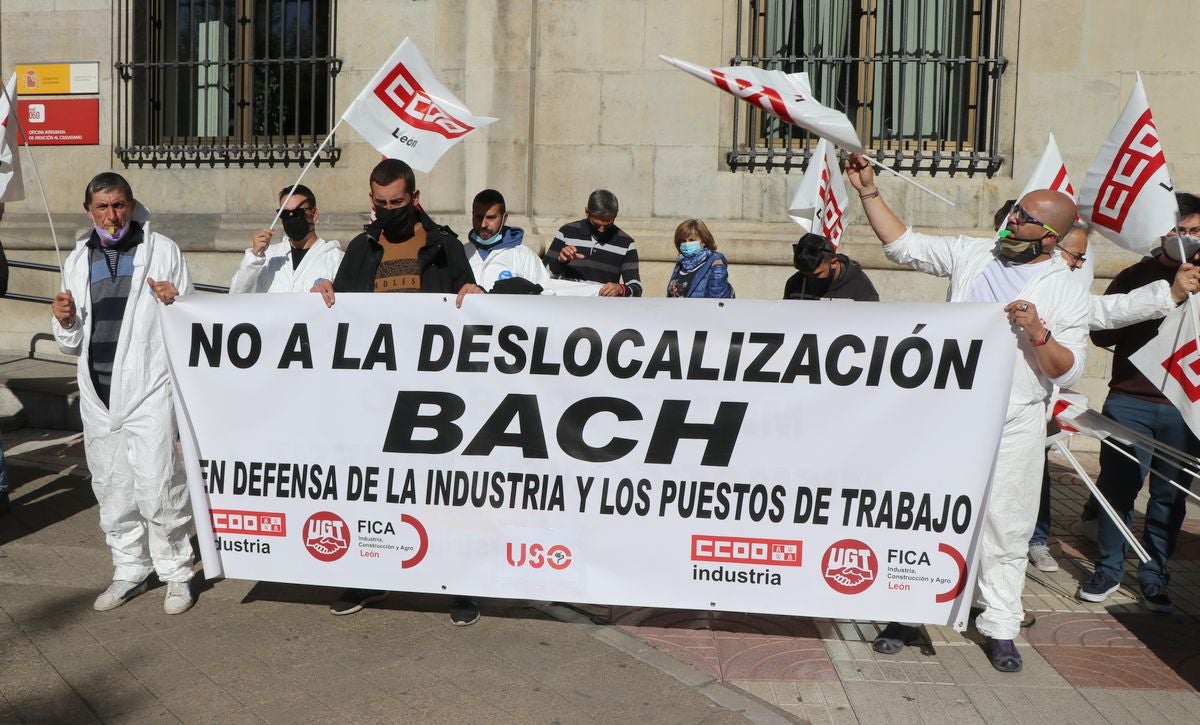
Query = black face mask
x=396 y=224
x=815 y=287
x=297 y=228
x=1019 y=251
x=603 y=236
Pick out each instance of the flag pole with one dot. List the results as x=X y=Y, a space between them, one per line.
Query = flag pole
x=1104 y=504
x=12 y=111
x=914 y=182
x=1133 y=458
x=307 y=166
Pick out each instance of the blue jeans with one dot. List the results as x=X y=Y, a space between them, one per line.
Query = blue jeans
x=1041 y=529
x=1121 y=479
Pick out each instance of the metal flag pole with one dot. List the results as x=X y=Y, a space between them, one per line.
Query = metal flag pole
x=902 y=177
x=1104 y=504
x=12 y=113
x=1133 y=458
x=307 y=166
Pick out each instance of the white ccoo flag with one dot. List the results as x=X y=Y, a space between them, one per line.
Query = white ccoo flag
x=1051 y=172
x=820 y=203
x=1127 y=194
x=787 y=96
x=1171 y=362
x=408 y=113
x=11 y=186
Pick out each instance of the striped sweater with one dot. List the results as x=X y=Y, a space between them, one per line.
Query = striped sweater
x=615 y=260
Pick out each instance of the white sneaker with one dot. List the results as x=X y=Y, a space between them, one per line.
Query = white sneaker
x=118 y=593
x=1039 y=555
x=179 y=598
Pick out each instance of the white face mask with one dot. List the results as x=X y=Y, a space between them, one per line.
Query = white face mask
x=489 y=241
x=1191 y=245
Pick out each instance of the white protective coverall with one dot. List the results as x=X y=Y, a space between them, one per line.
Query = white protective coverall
x=130 y=445
x=273 y=271
x=1148 y=302
x=1012 y=507
x=521 y=261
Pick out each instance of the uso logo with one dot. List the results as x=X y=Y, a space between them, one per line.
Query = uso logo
x=326 y=536
x=849 y=566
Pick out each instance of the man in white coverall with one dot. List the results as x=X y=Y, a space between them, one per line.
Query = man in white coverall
x=1049 y=313
x=115 y=281
x=298 y=262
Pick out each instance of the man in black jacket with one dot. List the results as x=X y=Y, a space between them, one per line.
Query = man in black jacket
x=402 y=250
x=823 y=274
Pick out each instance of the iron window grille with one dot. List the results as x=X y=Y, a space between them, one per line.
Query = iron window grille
x=225 y=82
x=919 y=79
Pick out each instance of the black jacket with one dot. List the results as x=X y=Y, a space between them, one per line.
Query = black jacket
x=851 y=284
x=442 y=261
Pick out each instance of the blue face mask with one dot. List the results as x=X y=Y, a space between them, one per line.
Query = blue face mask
x=687 y=249
x=490 y=241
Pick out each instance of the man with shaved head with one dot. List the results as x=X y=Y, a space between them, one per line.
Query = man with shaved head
x=1049 y=314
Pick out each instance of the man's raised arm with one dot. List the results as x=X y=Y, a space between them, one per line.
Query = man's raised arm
x=882 y=219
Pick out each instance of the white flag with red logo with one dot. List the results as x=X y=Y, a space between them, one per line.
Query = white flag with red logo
x=1073 y=416
x=820 y=202
x=1171 y=362
x=408 y=113
x=787 y=96
x=1051 y=172
x=1127 y=194
x=11 y=186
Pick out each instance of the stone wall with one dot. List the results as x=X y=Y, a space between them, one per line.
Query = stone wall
x=584 y=102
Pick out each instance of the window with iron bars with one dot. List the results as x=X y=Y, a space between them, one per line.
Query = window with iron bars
x=919 y=79
x=225 y=82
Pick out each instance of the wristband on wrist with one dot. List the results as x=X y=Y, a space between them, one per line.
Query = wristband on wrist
x=1045 y=339
x=872 y=195
x=624 y=291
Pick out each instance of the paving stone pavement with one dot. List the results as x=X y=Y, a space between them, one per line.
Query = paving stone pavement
x=259 y=652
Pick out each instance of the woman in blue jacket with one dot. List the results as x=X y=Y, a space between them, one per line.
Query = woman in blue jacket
x=701 y=271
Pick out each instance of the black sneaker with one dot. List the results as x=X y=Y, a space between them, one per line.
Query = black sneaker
x=1098 y=587
x=464 y=611
x=353 y=600
x=1154 y=598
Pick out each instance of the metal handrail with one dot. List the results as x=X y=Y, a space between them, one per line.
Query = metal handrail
x=40 y=267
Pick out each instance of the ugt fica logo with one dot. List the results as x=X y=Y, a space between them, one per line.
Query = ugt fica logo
x=849 y=566
x=326 y=536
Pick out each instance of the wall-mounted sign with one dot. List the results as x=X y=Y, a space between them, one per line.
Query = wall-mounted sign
x=60 y=121
x=58 y=79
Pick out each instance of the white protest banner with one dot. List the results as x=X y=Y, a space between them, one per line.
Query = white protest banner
x=1127 y=194
x=11 y=186
x=407 y=113
x=1050 y=172
x=822 y=196
x=1171 y=362
x=734 y=455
